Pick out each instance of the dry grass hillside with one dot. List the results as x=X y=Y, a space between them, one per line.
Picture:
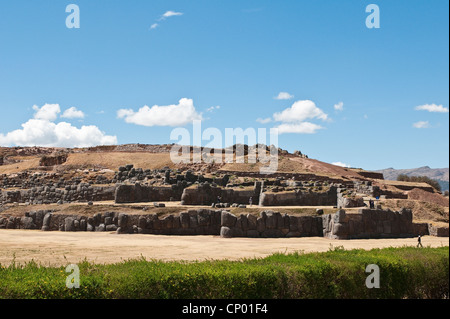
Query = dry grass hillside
x=423 y=211
x=110 y=158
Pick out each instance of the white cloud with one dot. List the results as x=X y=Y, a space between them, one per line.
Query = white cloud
x=73 y=113
x=166 y=15
x=284 y=96
x=42 y=131
x=300 y=111
x=299 y=128
x=212 y=108
x=47 y=112
x=124 y=113
x=432 y=108
x=341 y=164
x=293 y=119
x=339 y=106
x=169 y=14
x=264 y=121
x=172 y=115
x=421 y=124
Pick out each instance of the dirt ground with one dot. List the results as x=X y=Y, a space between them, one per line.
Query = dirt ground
x=61 y=248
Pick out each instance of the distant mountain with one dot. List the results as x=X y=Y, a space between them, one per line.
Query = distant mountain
x=439 y=174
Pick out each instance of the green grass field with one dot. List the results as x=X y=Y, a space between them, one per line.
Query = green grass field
x=404 y=273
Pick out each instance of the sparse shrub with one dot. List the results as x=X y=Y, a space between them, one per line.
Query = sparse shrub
x=419 y=179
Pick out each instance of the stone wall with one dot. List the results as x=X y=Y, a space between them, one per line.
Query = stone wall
x=299 y=198
x=52 y=160
x=369 y=223
x=26 y=180
x=31 y=220
x=192 y=222
x=206 y=194
x=438 y=231
x=47 y=195
x=287 y=176
x=372 y=175
x=367 y=188
x=349 y=202
x=269 y=224
x=140 y=193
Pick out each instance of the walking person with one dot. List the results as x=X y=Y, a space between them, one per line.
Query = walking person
x=250 y=201
x=419 y=242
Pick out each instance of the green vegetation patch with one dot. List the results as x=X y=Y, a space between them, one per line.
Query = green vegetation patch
x=406 y=272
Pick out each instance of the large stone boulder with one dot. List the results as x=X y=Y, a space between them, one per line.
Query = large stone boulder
x=167 y=223
x=251 y=221
x=193 y=219
x=123 y=220
x=111 y=228
x=260 y=224
x=271 y=220
x=90 y=224
x=83 y=224
x=228 y=219
x=226 y=232
x=125 y=193
x=100 y=228
x=27 y=223
x=69 y=225
x=204 y=218
x=184 y=220
x=3 y=222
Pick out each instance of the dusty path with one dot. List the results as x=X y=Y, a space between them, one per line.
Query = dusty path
x=60 y=248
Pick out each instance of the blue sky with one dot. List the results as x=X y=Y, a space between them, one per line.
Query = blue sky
x=371 y=98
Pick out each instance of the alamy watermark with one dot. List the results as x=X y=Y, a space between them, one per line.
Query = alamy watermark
x=373 y=19
x=73 y=19
x=214 y=151
x=73 y=280
x=373 y=280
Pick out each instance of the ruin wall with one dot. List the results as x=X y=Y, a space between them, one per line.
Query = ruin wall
x=269 y=224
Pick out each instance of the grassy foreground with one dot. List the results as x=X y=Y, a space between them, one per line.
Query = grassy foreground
x=405 y=272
